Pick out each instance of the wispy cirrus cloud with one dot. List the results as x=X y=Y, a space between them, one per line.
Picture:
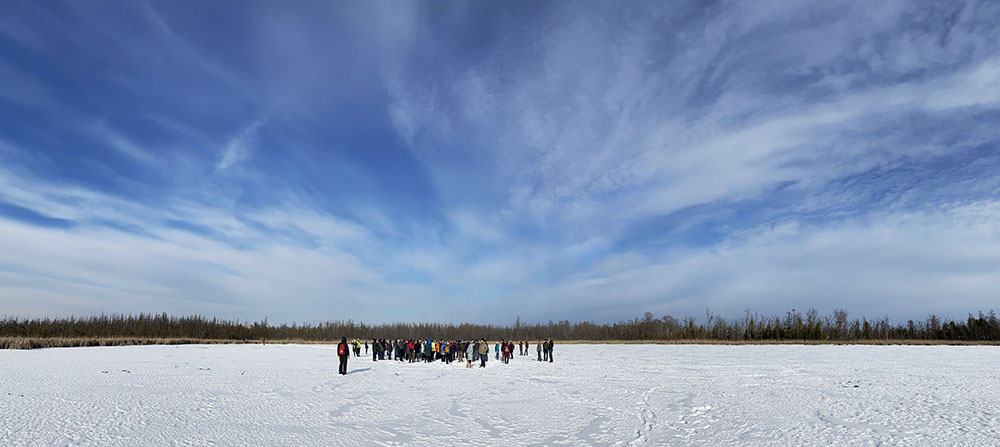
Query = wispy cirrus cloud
x=240 y=146
x=586 y=161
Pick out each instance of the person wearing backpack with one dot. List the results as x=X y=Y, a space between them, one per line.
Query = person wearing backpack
x=343 y=352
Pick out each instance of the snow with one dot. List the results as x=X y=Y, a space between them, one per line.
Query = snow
x=591 y=395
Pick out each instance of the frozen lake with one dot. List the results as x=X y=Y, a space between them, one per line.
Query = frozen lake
x=592 y=395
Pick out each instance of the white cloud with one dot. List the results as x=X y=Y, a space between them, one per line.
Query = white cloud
x=240 y=145
x=595 y=126
x=907 y=265
x=111 y=271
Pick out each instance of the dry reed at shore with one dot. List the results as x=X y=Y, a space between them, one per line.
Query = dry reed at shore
x=80 y=342
x=76 y=342
x=785 y=342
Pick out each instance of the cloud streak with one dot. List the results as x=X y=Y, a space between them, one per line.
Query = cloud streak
x=240 y=146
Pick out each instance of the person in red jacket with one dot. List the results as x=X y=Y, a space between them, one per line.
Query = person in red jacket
x=343 y=352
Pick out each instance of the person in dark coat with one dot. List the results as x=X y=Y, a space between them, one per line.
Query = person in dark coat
x=549 y=349
x=343 y=351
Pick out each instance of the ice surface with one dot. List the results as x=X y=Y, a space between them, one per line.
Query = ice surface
x=592 y=395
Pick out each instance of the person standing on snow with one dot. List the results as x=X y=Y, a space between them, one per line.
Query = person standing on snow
x=343 y=352
x=470 y=350
x=550 y=350
x=539 y=349
x=484 y=352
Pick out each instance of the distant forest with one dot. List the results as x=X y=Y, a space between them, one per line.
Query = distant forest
x=793 y=326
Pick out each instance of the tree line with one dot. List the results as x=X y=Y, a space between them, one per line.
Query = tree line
x=794 y=325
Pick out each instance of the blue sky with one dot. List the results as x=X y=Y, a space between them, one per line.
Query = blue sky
x=470 y=161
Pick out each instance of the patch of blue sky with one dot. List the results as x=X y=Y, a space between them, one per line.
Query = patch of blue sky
x=32 y=217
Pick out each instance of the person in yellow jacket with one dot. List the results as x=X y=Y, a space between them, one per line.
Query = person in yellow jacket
x=484 y=352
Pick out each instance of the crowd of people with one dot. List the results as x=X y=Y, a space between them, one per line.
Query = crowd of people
x=447 y=351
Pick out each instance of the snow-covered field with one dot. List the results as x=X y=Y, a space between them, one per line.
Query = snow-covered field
x=592 y=395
